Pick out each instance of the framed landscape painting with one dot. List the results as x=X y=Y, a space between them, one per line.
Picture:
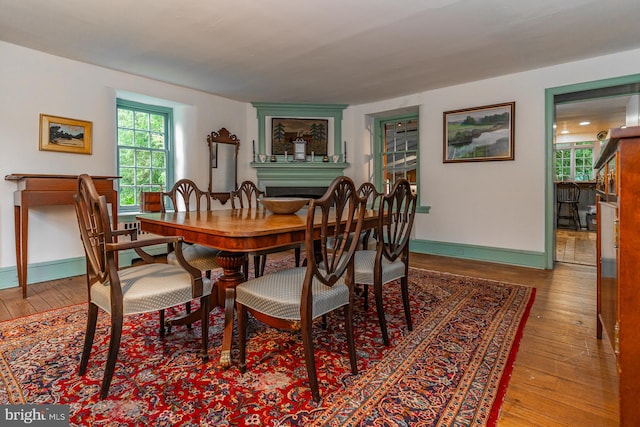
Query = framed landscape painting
x=479 y=134
x=284 y=131
x=65 y=135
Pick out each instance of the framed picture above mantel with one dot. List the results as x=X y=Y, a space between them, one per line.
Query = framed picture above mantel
x=285 y=131
x=290 y=115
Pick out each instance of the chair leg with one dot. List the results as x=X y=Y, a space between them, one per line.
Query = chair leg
x=246 y=268
x=365 y=295
x=404 y=287
x=187 y=308
x=380 y=309
x=296 y=254
x=114 y=346
x=204 y=303
x=263 y=264
x=256 y=265
x=242 y=336
x=92 y=319
x=348 y=321
x=309 y=356
x=161 y=323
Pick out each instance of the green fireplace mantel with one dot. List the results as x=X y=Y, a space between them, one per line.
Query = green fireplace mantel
x=276 y=109
x=300 y=174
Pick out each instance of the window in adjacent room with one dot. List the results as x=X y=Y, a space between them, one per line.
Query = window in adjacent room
x=144 y=151
x=574 y=161
x=398 y=156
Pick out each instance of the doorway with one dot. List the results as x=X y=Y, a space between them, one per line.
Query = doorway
x=604 y=105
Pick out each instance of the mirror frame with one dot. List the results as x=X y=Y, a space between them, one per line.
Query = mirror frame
x=223 y=136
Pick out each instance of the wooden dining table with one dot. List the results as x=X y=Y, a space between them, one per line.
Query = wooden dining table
x=235 y=232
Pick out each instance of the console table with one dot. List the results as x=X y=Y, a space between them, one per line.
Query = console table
x=47 y=190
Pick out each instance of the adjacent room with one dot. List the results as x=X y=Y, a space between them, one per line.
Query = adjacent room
x=320 y=213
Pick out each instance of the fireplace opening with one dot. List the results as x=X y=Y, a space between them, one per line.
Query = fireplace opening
x=304 y=192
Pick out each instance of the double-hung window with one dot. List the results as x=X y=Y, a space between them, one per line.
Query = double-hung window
x=144 y=151
x=573 y=161
x=398 y=158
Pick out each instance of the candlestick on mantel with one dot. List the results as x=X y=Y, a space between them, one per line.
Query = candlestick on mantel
x=254 y=150
x=345 y=152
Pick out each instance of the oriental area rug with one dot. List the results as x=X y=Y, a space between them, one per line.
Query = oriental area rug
x=451 y=370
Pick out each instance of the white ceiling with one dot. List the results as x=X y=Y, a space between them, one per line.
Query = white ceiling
x=329 y=51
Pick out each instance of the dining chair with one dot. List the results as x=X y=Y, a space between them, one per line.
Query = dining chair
x=182 y=196
x=150 y=286
x=390 y=259
x=293 y=298
x=568 y=194
x=247 y=195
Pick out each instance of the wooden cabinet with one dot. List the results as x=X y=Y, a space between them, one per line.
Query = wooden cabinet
x=618 y=251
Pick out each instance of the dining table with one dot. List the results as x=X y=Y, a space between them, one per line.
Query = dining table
x=235 y=232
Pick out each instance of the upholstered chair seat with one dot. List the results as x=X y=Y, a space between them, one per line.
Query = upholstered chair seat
x=278 y=294
x=365 y=263
x=201 y=257
x=148 y=287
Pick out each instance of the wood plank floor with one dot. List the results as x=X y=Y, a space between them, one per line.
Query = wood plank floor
x=576 y=247
x=563 y=376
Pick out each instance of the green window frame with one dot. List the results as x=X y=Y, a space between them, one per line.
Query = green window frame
x=573 y=161
x=144 y=151
x=397 y=148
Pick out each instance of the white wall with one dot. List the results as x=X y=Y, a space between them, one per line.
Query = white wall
x=33 y=82
x=490 y=204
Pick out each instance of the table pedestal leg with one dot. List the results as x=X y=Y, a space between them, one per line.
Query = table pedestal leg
x=231 y=263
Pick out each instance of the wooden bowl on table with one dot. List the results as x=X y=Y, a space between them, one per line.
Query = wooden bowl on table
x=283 y=205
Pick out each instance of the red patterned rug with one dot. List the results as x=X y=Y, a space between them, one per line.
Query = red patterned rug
x=452 y=369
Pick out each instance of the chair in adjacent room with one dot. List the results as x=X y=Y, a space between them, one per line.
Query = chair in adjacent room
x=147 y=287
x=247 y=195
x=568 y=195
x=294 y=297
x=182 y=196
x=390 y=259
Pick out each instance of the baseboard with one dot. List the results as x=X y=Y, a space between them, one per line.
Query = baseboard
x=480 y=253
x=59 y=269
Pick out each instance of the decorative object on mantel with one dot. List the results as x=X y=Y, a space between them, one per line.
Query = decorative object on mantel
x=344 y=159
x=325 y=159
x=299 y=150
x=65 y=135
x=283 y=205
x=273 y=159
x=469 y=381
x=286 y=130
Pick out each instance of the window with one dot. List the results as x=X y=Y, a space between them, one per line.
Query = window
x=399 y=152
x=574 y=161
x=144 y=147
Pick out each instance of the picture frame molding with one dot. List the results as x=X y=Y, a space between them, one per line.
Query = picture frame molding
x=82 y=146
x=448 y=116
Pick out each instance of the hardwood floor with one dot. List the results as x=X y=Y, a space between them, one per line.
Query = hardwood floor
x=576 y=247
x=563 y=376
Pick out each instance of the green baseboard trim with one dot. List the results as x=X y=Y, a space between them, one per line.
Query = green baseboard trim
x=480 y=253
x=59 y=269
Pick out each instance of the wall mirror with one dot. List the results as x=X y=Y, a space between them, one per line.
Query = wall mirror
x=223 y=164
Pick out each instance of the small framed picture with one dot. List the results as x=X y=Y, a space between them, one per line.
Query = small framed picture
x=65 y=135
